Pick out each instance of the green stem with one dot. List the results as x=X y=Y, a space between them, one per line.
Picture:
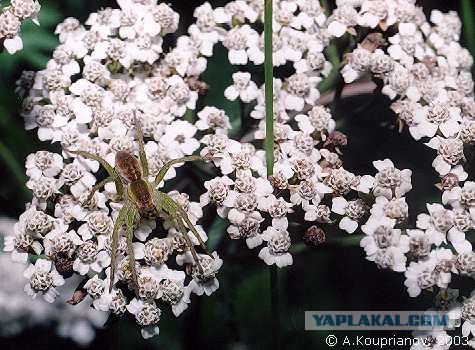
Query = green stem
x=333 y=55
x=469 y=24
x=275 y=305
x=326 y=7
x=269 y=147
x=269 y=91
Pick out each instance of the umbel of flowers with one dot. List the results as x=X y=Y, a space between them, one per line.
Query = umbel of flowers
x=113 y=70
x=11 y=18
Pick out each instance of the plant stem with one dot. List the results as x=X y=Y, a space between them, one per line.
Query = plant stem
x=269 y=90
x=468 y=24
x=269 y=147
x=275 y=305
x=326 y=7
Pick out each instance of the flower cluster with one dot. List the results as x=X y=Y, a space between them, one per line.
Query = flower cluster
x=19 y=312
x=11 y=18
x=116 y=69
x=101 y=80
x=420 y=65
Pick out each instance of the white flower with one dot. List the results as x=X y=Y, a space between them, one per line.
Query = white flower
x=92 y=256
x=444 y=266
x=437 y=223
x=179 y=97
x=147 y=315
x=278 y=209
x=352 y=212
x=278 y=244
x=237 y=40
x=219 y=192
x=318 y=118
x=172 y=289
x=395 y=208
x=97 y=222
x=372 y=13
x=78 y=178
x=204 y=280
x=450 y=153
x=389 y=181
x=419 y=276
x=239 y=159
x=214 y=119
x=384 y=244
x=43 y=278
x=461 y=197
x=343 y=17
x=179 y=136
x=248 y=228
x=20 y=243
x=309 y=191
x=301 y=89
x=43 y=163
x=243 y=87
x=11 y=18
x=436 y=117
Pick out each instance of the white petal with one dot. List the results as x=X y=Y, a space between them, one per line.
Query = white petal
x=336 y=29
x=82 y=112
x=13 y=45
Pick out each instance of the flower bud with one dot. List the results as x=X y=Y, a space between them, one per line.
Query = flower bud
x=314 y=236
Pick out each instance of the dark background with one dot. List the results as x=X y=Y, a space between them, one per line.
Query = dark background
x=335 y=276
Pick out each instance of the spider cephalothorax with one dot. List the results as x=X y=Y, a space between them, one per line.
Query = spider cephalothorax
x=141 y=198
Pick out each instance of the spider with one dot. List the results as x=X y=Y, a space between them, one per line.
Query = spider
x=141 y=198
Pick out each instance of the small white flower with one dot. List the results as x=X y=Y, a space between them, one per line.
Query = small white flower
x=389 y=181
x=243 y=87
x=43 y=279
x=147 y=315
x=214 y=119
x=204 y=281
x=278 y=244
x=237 y=41
x=419 y=276
x=437 y=223
x=179 y=136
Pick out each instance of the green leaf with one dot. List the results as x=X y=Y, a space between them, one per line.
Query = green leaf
x=37 y=59
x=216 y=232
x=49 y=16
x=39 y=39
x=11 y=163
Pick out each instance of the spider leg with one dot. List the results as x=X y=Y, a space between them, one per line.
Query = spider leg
x=96 y=188
x=195 y=231
x=131 y=219
x=163 y=171
x=170 y=207
x=183 y=216
x=119 y=222
x=142 y=155
x=110 y=170
x=184 y=232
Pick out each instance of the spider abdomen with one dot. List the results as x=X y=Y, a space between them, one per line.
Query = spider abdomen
x=128 y=166
x=142 y=196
